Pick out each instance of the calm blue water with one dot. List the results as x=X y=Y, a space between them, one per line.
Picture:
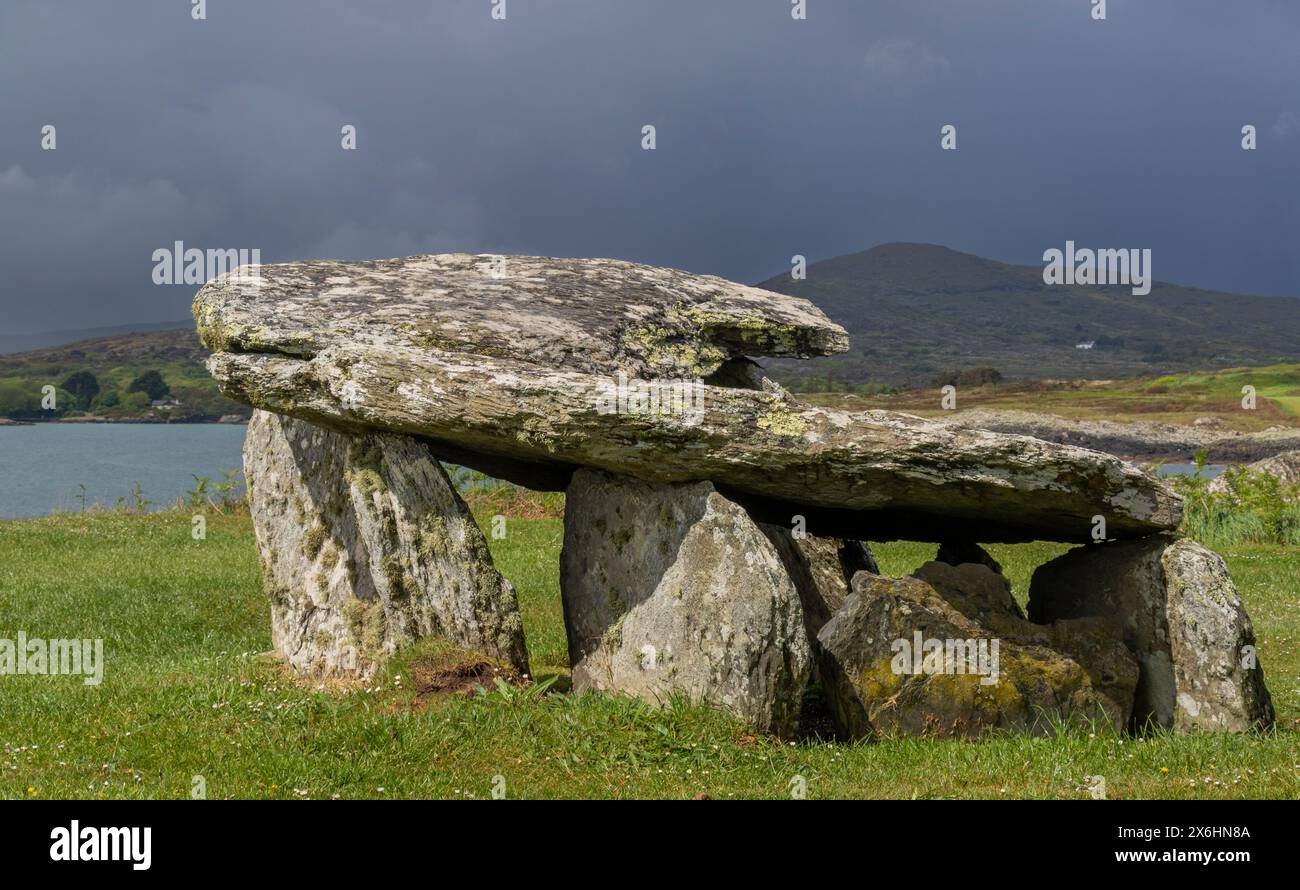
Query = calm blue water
x=41 y=465
x=1209 y=472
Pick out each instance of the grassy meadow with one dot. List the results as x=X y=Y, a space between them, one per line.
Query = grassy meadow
x=189 y=691
x=1173 y=398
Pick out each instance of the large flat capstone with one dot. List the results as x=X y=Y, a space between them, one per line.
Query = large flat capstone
x=530 y=367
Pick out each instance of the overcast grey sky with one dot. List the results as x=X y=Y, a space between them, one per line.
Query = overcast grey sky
x=775 y=136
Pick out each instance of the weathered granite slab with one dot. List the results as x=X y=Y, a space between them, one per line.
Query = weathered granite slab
x=531 y=393
x=595 y=316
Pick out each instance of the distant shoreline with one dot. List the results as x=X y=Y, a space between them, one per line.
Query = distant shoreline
x=5 y=421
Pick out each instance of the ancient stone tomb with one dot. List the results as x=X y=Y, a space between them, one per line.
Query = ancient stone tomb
x=714 y=526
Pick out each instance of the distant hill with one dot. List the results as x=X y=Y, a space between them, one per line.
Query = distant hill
x=116 y=363
x=11 y=343
x=915 y=311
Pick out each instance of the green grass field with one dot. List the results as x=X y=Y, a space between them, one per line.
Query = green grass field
x=188 y=692
x=1175 y=398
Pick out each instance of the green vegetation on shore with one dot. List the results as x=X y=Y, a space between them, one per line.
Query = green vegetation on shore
x=115 y=379
x=188 y=692
x=1251 y=508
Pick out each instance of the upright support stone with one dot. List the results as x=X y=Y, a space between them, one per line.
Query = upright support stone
x=366 y=547
x=1174 y=606
x=673 y=589
x=822 y=570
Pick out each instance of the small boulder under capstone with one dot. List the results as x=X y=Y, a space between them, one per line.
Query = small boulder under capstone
x=673 y=589
x=365 y=547
x=1037 y=676
x=1174 y=605
x=954 y=553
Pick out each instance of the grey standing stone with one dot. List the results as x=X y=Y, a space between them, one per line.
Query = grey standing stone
x=822 y=570
x=1175 y=607
x=673 y=589
x=365 y=547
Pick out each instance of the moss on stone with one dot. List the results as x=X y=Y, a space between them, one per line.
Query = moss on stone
x=761 y=335
x=219 y=336
x=782 y=418
x=365 y=470
x=365 y=622
x=654 y=344
x=313 y=541
x=612 y=638
x=667 y=516
x=399 y=585
x=433 y=540
x=278 y=594
x=685 y=339
x=375 y=632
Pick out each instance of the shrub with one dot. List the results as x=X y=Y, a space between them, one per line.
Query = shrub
x=150 y=383
x=981 y=376
x=84 y=385
x=1255 y=508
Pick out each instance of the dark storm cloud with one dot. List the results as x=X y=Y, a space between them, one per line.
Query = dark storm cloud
x=775 y=137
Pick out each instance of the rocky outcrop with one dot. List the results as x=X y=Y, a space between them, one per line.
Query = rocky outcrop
x=674 y=590
x=1135 y=440
x=1174 y=606
x=941 y=653
x=365 y=547
x=1284 y=467
x=518 y=375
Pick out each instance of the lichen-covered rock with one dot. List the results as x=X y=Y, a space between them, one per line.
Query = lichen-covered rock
x=875 y=474
x=942 y=653
x=1175 y=607
x=673 y=589
x=366 y=546
x=589 y=315
x=527 y=367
